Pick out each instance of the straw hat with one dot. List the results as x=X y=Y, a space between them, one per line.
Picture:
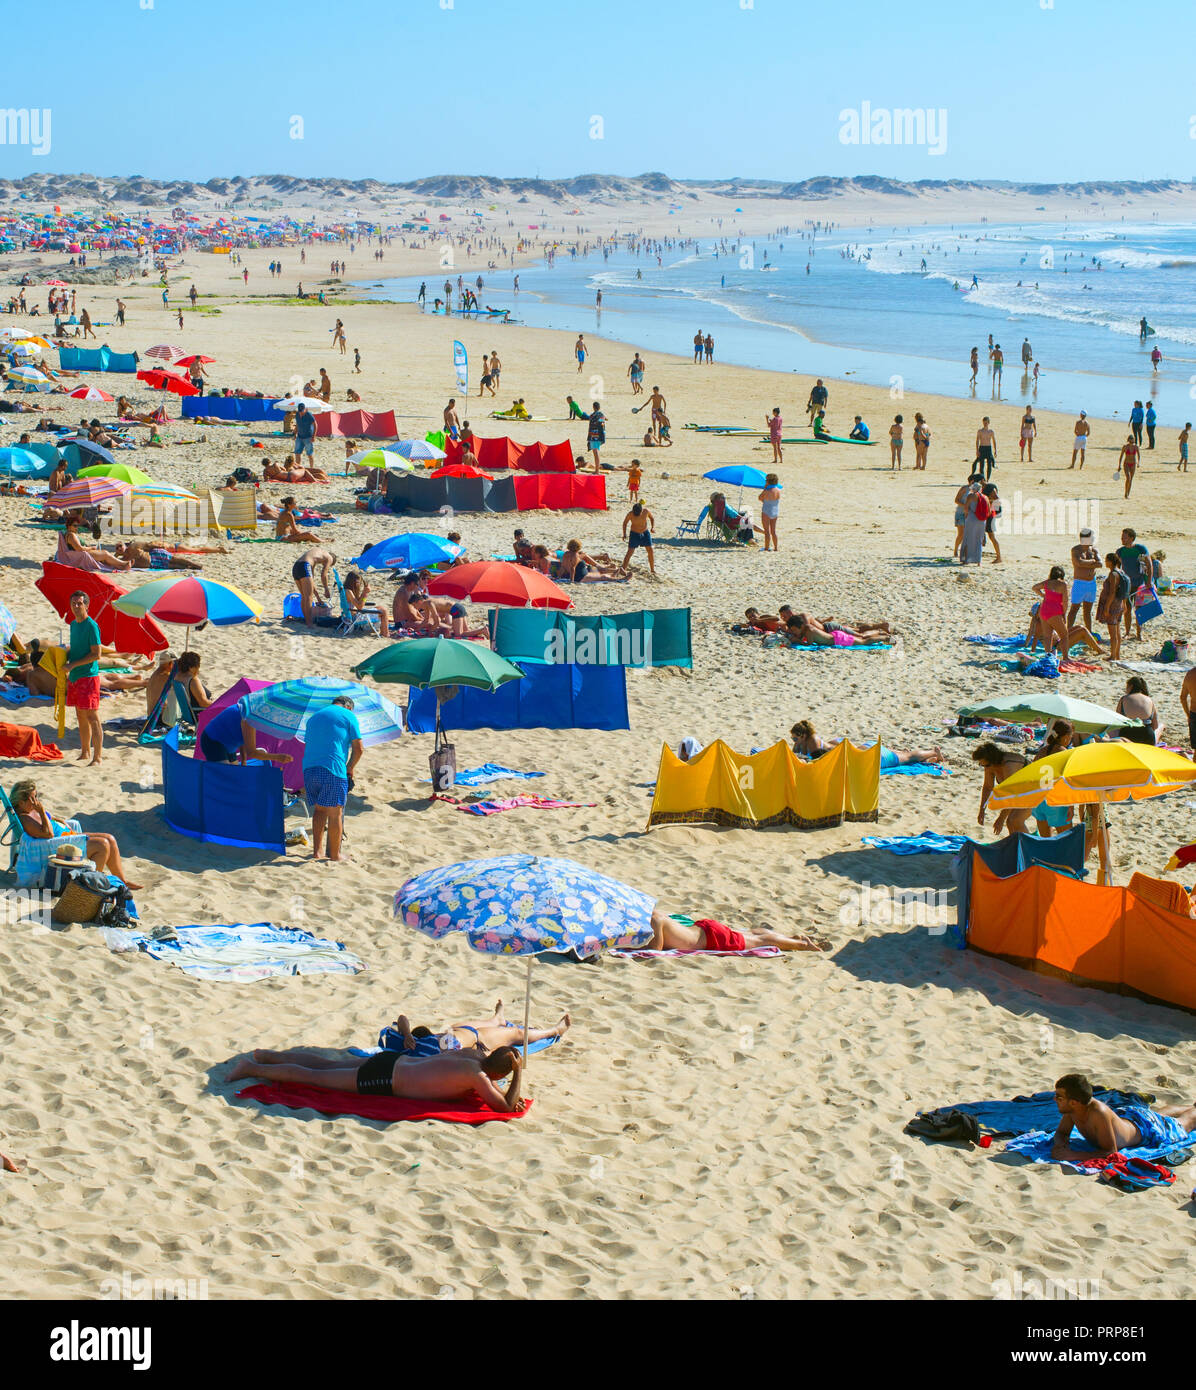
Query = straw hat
x=67 y=857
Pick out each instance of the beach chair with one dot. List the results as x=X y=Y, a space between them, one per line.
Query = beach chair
x=692 y=528
x=156 y=727
x=28 y=865
x=352 y=623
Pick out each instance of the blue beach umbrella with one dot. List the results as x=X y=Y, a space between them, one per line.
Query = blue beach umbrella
x=411 y=550
x=284 y=709
x=523 y=904
x=414 y=449
x=16 y=462
x=737 y=475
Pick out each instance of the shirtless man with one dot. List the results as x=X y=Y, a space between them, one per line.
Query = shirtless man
x=657 y=403
x=1085 y=561
x=1081 y=440
x=670 y=935
x=580 y=351
x=410 y=611
x=452 y=421
x=303 y=572
x=1110 y=1131
x=449 y=1076
x=986 y=449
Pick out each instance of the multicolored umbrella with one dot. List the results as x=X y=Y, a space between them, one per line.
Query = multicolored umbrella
x=502 y=583
x=415 y=449
x=187 y=599
x=284 y=709
x=124 y=471
x=379 y=458
x=30 y=374
x=412 y=550
x=523 y=904
x=89 y=393
x=163 y=492
x=88 y=492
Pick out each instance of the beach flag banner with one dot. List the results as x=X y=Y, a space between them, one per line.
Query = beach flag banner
x=461 y=363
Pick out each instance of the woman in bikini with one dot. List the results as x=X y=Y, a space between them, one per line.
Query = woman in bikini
x=807 y=744
x=1128 y=459
x=921 y=442
x=896 y=441
x=479 y=1036
x=286 y=529
x=999 y=763
x=357 y=591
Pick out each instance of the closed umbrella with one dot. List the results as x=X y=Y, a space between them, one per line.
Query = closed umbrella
x=1095 y=773
x=283 y=709
x=501 y=583
x=523 y=904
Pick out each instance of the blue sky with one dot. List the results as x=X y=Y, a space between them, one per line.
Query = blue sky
x=398 y=89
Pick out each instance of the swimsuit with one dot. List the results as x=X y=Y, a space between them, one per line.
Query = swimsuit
x=301 y=569
x=1083 y=590
x=1051 y=606
x=375 y=1076
x=1155 y=1131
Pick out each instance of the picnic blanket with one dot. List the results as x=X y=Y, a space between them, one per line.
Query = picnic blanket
x=388 y=1108
x=512 y=803
x=928 y=842
x=20 y=741
x=488 y=772
x=250 y=951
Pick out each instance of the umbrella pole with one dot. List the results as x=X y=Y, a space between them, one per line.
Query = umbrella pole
x=1103 y=844
x=527 y=1008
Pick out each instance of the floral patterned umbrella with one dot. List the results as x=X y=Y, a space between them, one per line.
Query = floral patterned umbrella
x=522 y=904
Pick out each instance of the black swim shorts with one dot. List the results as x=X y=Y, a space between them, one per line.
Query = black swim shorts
x=375 y=1076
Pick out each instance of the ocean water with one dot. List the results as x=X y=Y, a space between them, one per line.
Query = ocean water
x=860 y=304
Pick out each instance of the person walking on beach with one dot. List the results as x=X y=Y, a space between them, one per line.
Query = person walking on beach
x=986 y=449
x=120 y=312
x=580 y=350
x=1128 y=458
x=1027 y=355
x=819 y=396
x=452 y=421
x=1156 y=357
x=770 y=506
x=83 y=678
x=698 y=340
x=1137 y=417
x=1025 y=443
x=1085 y=561
x=775 y=425
x=331 y=750
x=305 y=432
x=636 y=373
x=896 y=442
x=975 y=365
x=641 y=521
x=921 y=442
x=1081 y=439
x=998 y=369
x=1151 y=421
x=596 y=434
x=1183 y=447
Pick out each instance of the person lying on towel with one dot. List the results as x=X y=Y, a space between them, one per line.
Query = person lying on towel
x=475 y=1039
x=810 y=745
x=1108 y=1130
x=447 y=1076
x=705 y=935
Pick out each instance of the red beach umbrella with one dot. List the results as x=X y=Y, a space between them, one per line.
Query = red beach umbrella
x=501 y=583
x=461 y=470
x=195 y=357
x=117 y=629
x=167 y=381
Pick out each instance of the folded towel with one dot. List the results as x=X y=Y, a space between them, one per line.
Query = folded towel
x=927 y=843
x=388 y=1108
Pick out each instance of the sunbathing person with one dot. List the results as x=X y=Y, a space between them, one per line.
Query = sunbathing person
x=286 y=529
x=146 y=557
x=802 y=631
x=476 y=1038
x=669 y=935
x=412 y=610
x=576 y=567
x=808 y=744
x=31 y=674
x=1109 y=1130
x=357 y=591
x=766 y=622
x=275 y=473
x=448 y=1076
x=878 y=631
x=37 y=822
x=72 y=542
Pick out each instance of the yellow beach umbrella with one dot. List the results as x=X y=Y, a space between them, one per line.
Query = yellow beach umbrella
x=1093 y=774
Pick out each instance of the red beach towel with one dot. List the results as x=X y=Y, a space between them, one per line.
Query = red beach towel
x=389 y=1108
x=18 y=741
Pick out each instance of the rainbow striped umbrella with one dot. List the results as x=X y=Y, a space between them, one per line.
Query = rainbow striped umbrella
x=186 y=599
x=163 y=492
x=89 y=492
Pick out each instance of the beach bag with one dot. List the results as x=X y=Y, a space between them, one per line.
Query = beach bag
x=59 y=873
x=1146 y=604
x=940 y=1126
x=443 y=766
x=83 y=898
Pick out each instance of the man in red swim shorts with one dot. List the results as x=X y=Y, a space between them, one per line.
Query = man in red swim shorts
x=705 y=935
x=83 y=678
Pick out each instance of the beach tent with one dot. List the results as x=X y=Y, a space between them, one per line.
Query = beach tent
x=101 y=359
x=292 y=772
x=242 y=408
x=504 y=453
x=357 y=424
x=548 y=697
x=222 y=803
x=560 y=492
x=424 y=496
x=771 y=787
x=1117 y=939
x=646 y=637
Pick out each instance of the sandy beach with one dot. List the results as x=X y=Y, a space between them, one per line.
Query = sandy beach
x=710 y=1128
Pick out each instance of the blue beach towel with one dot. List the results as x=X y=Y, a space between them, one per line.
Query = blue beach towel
x=916 y=770
x=1029 y=1114
x=251 y=951
x=488 y=772
x=1165 y=1137
x=1000 y=644
x=927 y=843
x=859 y=647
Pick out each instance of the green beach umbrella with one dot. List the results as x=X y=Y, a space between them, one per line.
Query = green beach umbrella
x=125 y=472
x=1049 y=704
